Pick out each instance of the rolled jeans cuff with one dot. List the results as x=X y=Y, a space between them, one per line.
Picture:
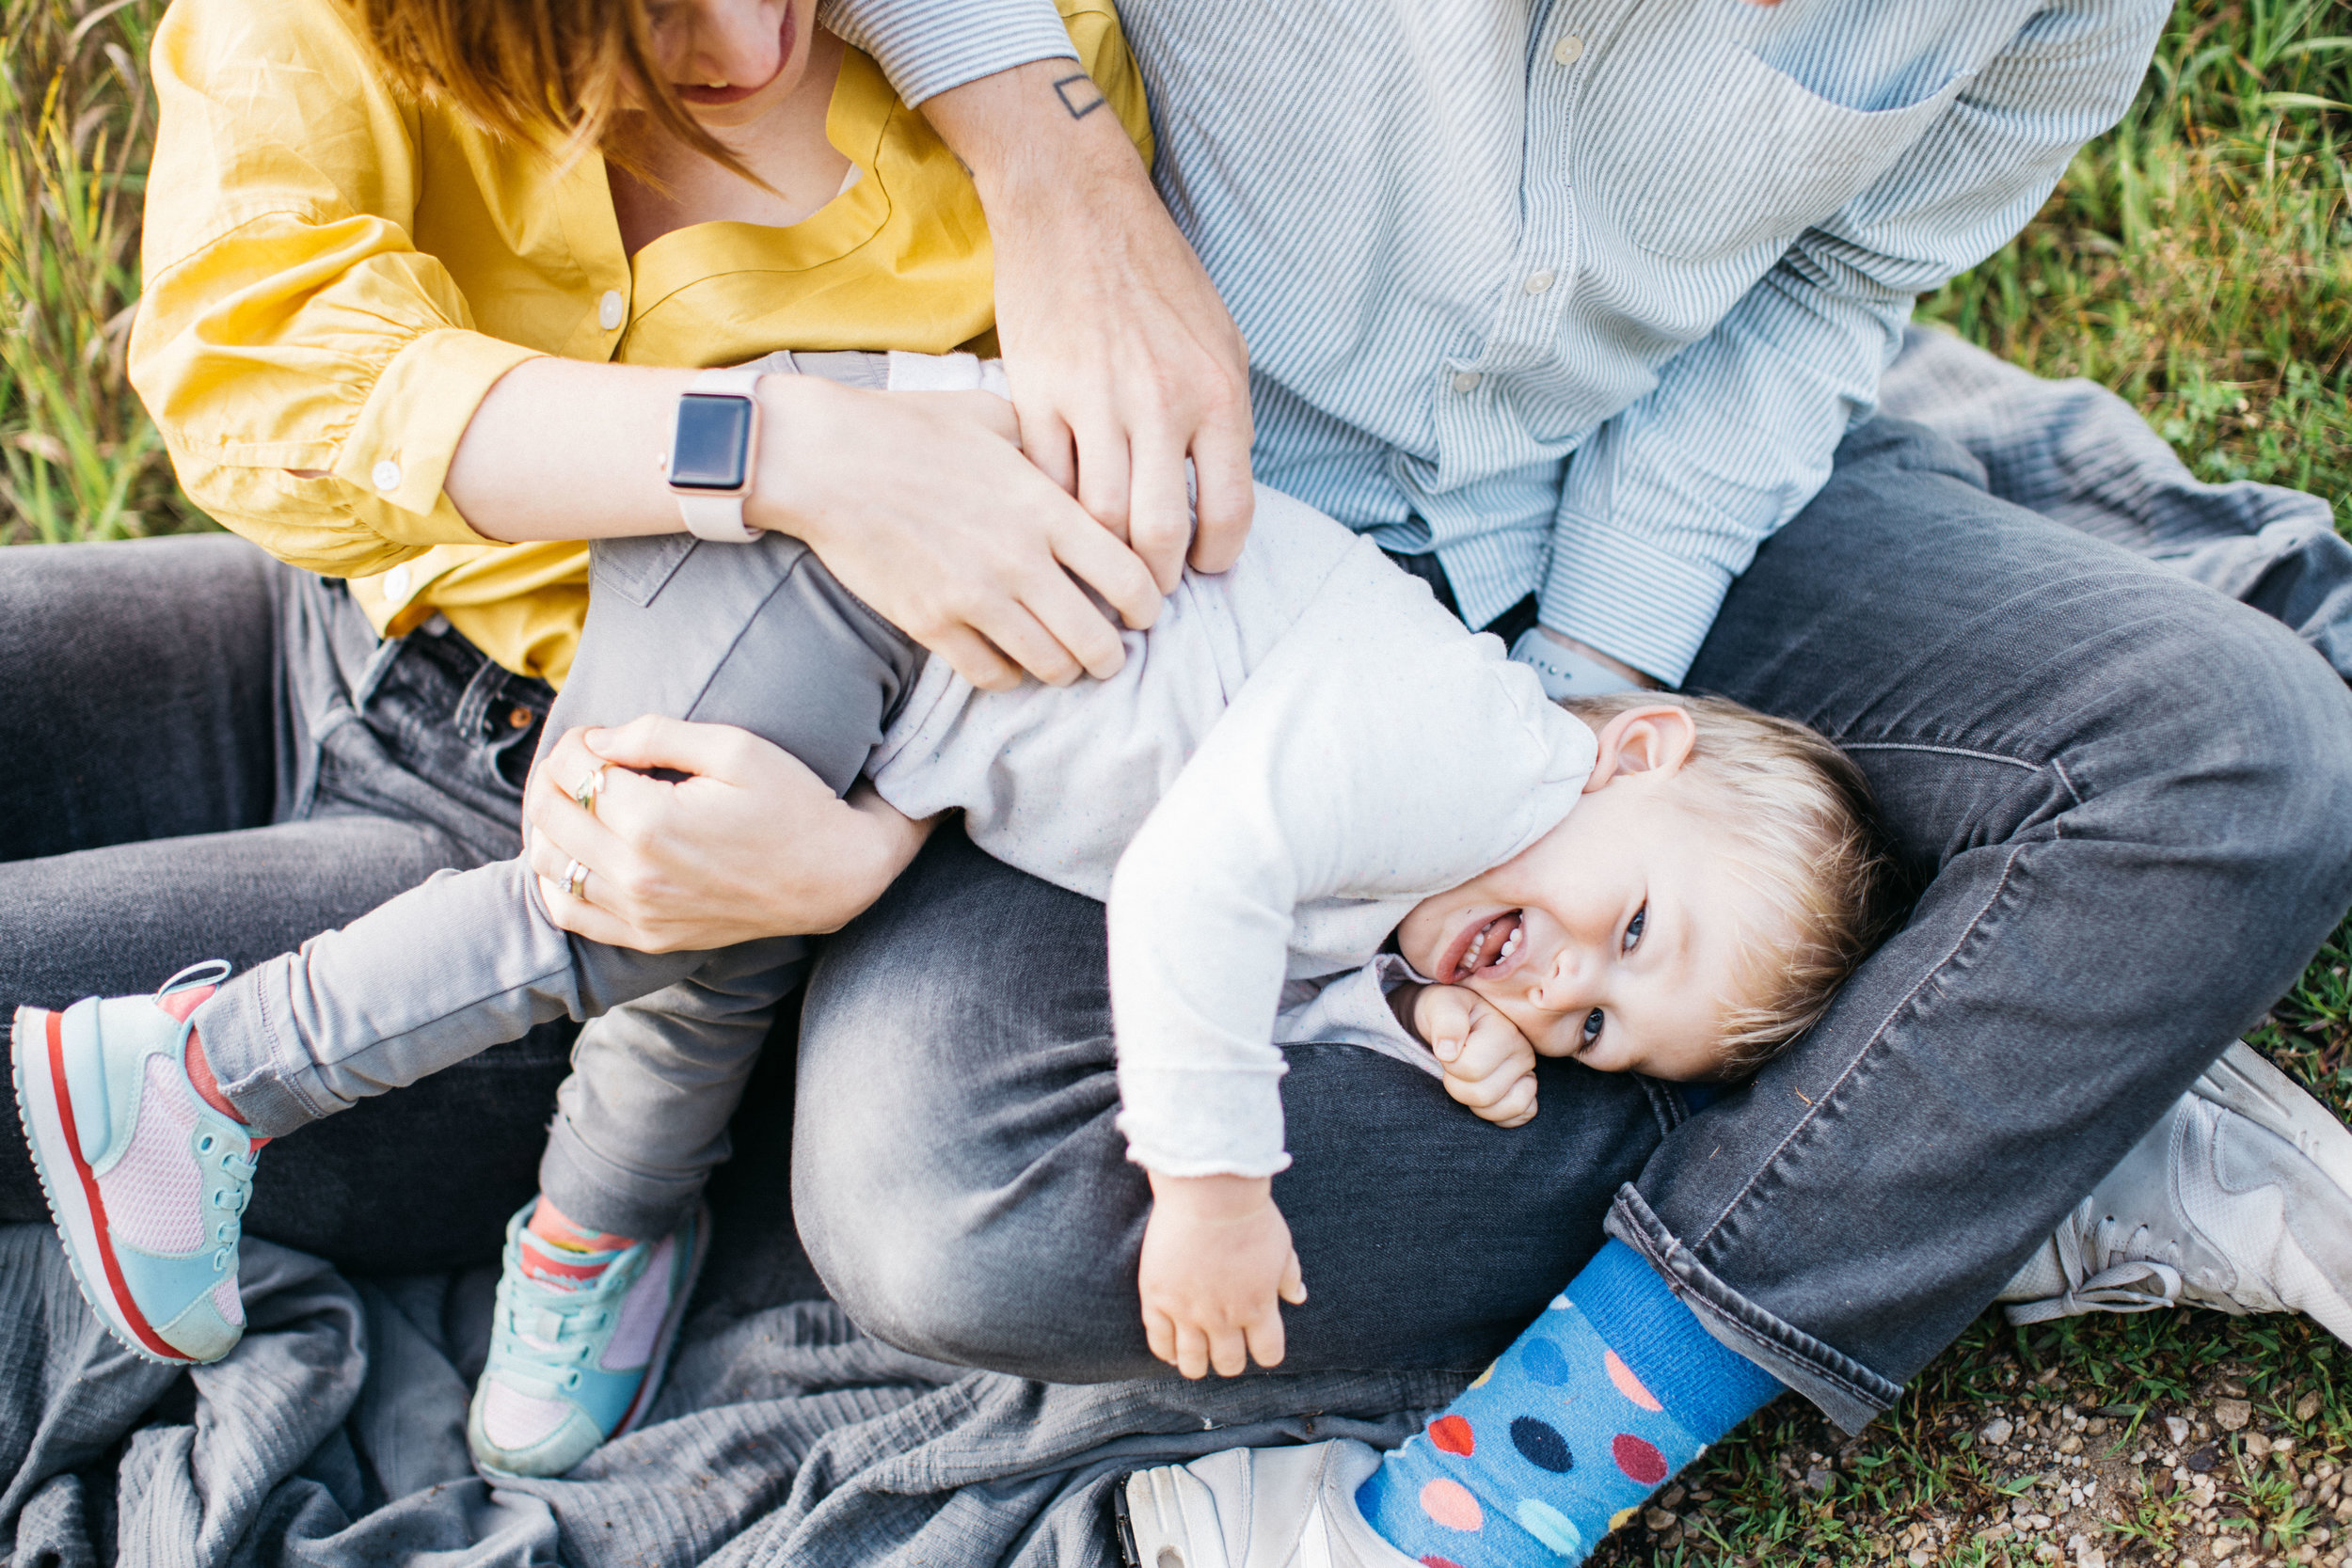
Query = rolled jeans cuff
x=600 y=1194
x=1848 y=1392
x=259 y=1073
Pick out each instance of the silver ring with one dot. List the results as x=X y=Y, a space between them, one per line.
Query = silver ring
x=576 y=881
x=591 y=787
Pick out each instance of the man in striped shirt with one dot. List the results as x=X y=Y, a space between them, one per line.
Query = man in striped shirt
x=1579 y=307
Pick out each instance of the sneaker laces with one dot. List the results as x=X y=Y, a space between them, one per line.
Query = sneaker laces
x=2106 y=1270
x=547 y=1331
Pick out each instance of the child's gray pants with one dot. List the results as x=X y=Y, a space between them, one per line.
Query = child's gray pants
x=756 y=635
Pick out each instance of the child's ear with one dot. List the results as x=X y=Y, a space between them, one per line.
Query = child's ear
x=1656 y=737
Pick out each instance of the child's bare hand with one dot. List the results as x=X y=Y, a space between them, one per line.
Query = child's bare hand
x=1489 y=1066
x=1216 y=1255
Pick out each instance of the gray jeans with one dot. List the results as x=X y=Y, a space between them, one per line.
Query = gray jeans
x=756 y=635
x=2126 y=800
x=210 y=755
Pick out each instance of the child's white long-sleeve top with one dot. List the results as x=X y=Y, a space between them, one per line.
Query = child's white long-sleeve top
x=1296 y=754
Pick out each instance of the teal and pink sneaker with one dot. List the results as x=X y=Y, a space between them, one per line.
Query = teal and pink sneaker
x=148 y=1181
x=578 y=1344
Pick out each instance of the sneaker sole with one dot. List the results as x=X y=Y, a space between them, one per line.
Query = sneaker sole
x=45 y=1105
x=2247 y=1082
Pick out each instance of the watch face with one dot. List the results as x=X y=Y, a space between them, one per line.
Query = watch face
x=712 y=443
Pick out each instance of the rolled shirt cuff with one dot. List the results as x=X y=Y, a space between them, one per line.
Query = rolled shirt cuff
x=928 y=47
x=1204 y=1121
x=408 y=429
x=1624 y=595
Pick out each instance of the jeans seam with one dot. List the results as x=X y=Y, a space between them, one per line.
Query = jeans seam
x=2057 y=766
x=1942 y=750
x=1878 y=1036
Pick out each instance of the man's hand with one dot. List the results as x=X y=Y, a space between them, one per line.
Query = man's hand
x=1124 y=360
x=1489 y=1066
x=1216 y=1255
x=924 y=508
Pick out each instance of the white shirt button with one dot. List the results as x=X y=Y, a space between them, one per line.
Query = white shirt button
x=1569 y=49
x=610 y=309
x=1466 y=381
x=385 y=475
x=1538 y=281
x=396 y=583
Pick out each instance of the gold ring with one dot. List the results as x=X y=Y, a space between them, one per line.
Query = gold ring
x=576 y=881
x=590 y=787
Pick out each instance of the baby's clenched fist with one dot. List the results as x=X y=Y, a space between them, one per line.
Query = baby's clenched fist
x=1489 y=1065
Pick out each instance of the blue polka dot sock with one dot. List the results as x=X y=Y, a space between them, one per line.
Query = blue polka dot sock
x=1606 y=1395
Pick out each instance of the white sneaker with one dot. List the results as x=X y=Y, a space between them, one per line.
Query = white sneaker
x=2240 y=1199
x=1255 y=1508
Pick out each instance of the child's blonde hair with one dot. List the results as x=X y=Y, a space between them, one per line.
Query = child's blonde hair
x=1797 y=822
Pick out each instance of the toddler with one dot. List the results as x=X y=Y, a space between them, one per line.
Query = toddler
x=1318 y=809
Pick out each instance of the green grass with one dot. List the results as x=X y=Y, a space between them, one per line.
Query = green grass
x=2198 y=259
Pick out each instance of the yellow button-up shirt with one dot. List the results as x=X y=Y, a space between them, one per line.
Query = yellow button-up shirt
x=335 y=273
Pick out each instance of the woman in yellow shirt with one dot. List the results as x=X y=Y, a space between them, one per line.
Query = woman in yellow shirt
x=424 y=285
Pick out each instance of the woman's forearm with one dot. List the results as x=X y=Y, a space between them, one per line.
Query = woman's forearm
x=565 y=449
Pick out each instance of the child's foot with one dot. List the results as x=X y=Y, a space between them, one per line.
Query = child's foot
x=146 y=1174
x=578 y=1344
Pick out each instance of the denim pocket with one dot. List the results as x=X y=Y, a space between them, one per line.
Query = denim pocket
x=1685 y=190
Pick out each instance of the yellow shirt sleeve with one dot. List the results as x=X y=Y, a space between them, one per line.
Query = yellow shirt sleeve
x=289 y=321
x=1102 y=46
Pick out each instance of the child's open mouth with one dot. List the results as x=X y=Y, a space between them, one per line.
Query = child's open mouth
x=1490 y=946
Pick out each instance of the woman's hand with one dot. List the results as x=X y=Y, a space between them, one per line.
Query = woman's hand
x=752 y=845
x=922 y=504
x=1218 y=1264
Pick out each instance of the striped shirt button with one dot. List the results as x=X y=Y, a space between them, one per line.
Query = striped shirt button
x=1466 y=381
x=610 y=310
x=1569 y=49
x=1538 y=280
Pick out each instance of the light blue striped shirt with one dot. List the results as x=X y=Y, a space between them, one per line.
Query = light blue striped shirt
x=1675 y=238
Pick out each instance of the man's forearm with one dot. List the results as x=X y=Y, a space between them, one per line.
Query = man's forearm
x=1044 y=124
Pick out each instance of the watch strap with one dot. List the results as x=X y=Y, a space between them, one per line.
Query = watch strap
x=719 y=519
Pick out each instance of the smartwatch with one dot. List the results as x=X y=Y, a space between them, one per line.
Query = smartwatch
x=709 y=464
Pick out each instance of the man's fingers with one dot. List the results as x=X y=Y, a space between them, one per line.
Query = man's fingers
x=1229 y=1351
x=1192 y=1351
x=1029 y=643
x=1104 y=472
x=971 y=655
x=1046 y=441
x=1226 y=499
x=1069 y=617
x=1159 y=520
x=1111 y=569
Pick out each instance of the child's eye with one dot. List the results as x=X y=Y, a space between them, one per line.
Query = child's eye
x=1593 y=1023
x=1633 y=928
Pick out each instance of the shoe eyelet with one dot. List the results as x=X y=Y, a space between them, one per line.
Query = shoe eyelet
x=220 y=1260
x=206 y=1143
x=572 y=1379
